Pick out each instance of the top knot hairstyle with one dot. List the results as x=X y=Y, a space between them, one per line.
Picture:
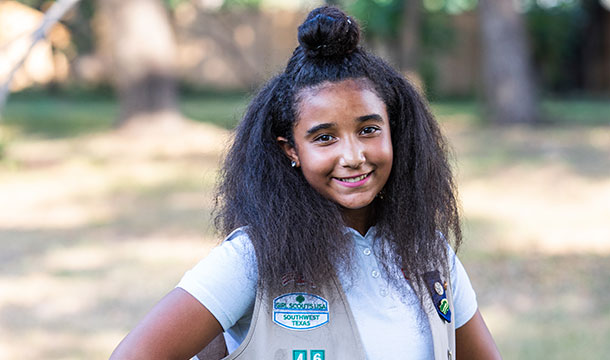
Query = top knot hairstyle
x=295 y=230
x=328 y=32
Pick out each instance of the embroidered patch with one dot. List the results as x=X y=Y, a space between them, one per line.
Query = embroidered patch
x=300 y=311
x=317 y=354
x=438 y=294
x=299 y=354
x=444 y=306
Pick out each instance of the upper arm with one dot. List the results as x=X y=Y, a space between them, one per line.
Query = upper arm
x=474 y=341
x=176 y=328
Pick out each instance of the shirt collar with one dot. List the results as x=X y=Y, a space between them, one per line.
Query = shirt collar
x=366 y=240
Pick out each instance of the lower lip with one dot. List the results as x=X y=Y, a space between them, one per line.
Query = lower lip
x=353 y=184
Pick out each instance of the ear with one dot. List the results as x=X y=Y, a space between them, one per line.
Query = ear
x=288 y=149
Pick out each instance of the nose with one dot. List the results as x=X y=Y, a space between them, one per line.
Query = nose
x=352 y=154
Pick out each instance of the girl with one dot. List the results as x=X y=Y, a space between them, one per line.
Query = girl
x=338 y=204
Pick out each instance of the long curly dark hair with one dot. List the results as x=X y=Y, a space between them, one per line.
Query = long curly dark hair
x=292 y=227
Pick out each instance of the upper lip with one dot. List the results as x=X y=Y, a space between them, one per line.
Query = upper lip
x=353 y=176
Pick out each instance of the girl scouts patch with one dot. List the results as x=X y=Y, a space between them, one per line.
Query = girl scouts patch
x=300 y=311
x=438 y=294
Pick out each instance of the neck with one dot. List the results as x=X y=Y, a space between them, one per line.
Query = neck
x=358 y=219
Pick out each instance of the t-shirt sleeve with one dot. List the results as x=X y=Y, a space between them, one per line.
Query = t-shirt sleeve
x=225 y=280
x=464 y=297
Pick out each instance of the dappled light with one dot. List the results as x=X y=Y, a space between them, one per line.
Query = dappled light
x=75 y=305
x=81 y=228
x=90 y=215
x=110 y=155
x=541 y=307
x=544 y=190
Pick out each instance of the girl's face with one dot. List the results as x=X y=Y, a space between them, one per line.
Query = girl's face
x=342 y=142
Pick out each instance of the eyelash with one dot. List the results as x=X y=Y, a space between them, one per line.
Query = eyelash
x=371 y=130
x=319 y=138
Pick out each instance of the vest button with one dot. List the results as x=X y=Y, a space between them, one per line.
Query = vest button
x=449 y=355
x=367 y=251
x=383 y=292
x=375 y=274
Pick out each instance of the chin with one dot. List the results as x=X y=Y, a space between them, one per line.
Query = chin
x=356 y=205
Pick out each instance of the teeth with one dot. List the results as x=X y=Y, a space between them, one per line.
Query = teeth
x=353 y=180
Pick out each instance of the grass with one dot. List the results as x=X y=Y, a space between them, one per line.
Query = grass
x=224 y=111
x=579 y=111
x=46 y=116
x=95 y=226
x=39 y=114
x=52 y=117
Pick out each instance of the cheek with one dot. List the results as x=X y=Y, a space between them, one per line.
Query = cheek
x=316 y=165
x=384 y=154
x=385 y=161
x=390 y=156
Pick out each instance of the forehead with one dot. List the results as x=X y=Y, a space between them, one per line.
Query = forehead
x=347 y=97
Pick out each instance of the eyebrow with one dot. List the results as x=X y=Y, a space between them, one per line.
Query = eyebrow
x=320 y=127
x=374 y=117
x=360 y=119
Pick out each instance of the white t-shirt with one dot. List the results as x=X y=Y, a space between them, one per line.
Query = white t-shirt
x=389 y=322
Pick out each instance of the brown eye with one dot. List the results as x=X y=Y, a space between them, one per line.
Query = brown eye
x=323 y=138
x=369 y=130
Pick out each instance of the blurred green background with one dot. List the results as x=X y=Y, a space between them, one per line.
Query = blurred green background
x=114 y=126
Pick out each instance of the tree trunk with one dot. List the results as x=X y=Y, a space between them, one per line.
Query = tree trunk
x=509 y=89
x=141 y=42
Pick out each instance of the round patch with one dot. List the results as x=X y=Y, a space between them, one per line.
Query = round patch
x=439 y=288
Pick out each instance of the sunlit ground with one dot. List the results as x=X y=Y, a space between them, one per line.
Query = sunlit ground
x=95 y=229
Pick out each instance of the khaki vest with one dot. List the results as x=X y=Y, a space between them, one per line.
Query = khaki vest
x=317 y=324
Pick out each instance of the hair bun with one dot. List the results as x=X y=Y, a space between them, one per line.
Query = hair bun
x=328 y=32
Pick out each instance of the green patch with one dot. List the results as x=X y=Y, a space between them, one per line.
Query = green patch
x=444 y=306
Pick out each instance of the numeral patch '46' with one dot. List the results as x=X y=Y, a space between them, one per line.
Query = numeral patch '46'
x=302 y=355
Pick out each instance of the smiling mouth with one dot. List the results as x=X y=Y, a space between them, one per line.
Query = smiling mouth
x=353 y=179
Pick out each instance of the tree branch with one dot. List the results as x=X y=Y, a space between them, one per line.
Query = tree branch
x=51 y=17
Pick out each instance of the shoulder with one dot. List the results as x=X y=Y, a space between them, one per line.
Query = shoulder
x=236 y=243
x=464 y=296
x=229 y=266
x=235 y=252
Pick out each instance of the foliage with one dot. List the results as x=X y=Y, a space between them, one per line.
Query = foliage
x=556 y=29
x=78 y=22
x=436 y=36
x=556 y=35
x=379 y=18
x=382 y=19
x=449 y=6
x=36 y=4
x=173 y=4
x=79 y=25
x=241 y=3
